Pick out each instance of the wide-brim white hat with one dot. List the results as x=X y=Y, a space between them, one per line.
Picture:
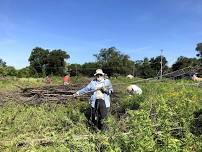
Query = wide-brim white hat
x=99 y=71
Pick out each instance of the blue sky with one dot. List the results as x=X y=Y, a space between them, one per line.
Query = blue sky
x=139 y=28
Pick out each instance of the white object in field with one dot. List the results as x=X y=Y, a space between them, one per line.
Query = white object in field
x=195 y=78
x=130 y=76
x=134 y=89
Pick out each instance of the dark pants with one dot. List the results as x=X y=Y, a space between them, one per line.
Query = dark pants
x=99 y=113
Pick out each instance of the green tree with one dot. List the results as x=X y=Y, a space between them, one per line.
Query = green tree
x=114 y=62
x=45 y=62
x=145 y=69
x=183 y=62
x=2 y=63
x=56 y=61
x=137 y=68
x=74 y=69
x=2 y=68
x=199 y=50
x=2 y=71
x=11 y=71
x=24 y=72
x=6 y=70
x=37 y=59
x=156 y=64
x=89 y=68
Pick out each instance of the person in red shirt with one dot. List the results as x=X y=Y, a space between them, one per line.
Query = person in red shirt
x=66 y=79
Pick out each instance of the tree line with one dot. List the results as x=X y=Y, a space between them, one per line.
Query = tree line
x=45 y=62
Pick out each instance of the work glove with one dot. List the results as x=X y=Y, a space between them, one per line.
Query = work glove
x=104 y=90
x=76 y=94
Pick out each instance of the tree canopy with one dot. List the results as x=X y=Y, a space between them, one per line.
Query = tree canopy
x=199 y=50
x=45 y=62
x=156 y=64
x=37 y=59
x=2 y=63
x=183 y=62
x=112 y=61
x=56 y=61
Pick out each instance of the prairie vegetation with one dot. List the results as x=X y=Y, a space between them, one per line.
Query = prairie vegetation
x=166 y=117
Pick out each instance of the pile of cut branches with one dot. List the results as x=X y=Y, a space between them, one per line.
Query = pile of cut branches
x=58 y=93
x=48 y=93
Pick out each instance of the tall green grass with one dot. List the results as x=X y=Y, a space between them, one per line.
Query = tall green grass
x=158 y=120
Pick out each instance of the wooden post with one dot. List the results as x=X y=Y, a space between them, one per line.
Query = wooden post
x=161 y=64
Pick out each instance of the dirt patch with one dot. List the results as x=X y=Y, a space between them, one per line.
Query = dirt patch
x=48 y=93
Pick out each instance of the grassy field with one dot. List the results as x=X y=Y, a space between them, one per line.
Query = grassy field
x=166 y=117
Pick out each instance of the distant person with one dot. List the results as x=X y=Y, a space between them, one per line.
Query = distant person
x=48 y=79
x=66 y=79
x=100 y=89
x=134 y=89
